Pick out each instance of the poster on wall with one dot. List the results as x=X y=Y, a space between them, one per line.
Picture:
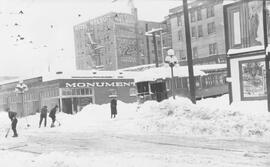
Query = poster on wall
x=255 y=18
x=253 y=79
x=245 y=24
x=127 y=52
x=268 y=19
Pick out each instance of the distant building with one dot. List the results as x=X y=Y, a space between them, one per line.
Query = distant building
x=206 y=31
x=71 y=91
x=114 y=41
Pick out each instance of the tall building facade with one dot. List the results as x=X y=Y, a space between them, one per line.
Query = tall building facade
x=206 y=31
x=114 y=41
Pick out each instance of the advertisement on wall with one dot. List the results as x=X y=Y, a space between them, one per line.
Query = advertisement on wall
x=253 y=79
x=245 y=24
x=126 y=52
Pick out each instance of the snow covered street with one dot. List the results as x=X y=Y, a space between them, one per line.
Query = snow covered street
x=103 y=148
x=155 y=134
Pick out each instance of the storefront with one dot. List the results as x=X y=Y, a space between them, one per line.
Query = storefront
x=70 y=93
x=77 y=93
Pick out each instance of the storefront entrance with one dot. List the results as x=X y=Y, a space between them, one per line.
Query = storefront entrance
x=67 y=106
x=75 y=104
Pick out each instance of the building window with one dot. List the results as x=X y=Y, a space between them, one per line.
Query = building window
x=180 y=35
x=211 y=27
x=179 y=22
x=76 y=91
x=194 y=52
x=192 y=16
x=199 y=14
x=200 y=31
x=213 y=49
x=132 y=92
x=210 y=11
x=193 y=32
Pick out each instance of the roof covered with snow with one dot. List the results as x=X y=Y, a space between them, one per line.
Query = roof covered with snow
x=138 y=73
x=150 y=72
x=163 y=72
x=79 y=74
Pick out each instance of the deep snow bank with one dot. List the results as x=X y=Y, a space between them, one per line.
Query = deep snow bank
x=211 y=116
x=208 y=117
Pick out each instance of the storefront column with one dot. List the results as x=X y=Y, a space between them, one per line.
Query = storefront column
x=60 y=100
x=72 y=106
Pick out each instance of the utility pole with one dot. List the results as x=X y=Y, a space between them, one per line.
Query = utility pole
x=267 y=54
x=189 y=53
x=153 y=34
x=161 y=44
x=155 y=48
x=147 y=45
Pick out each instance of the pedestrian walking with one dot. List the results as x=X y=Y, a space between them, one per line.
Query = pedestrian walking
x=43 y=115
x=52 y=115
x=12 y=116
x=113 y=108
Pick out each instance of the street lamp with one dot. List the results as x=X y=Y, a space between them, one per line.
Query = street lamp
x=171 y=60
x=20 y=89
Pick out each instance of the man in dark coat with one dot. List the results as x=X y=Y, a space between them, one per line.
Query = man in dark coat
x=52 y=114
x=43 y=115
x=12 y=116
x=113 y=108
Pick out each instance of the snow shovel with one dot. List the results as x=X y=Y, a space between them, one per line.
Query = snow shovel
x=7 y=133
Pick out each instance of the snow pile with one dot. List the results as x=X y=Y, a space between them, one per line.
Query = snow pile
x=209 y=117
x=183 y=117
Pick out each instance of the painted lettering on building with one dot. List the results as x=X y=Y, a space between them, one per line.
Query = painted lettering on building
x=98 y=84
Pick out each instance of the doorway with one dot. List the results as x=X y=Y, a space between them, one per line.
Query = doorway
x=67 y=105
x=159 y=91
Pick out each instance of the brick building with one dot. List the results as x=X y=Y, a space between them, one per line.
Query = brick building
x=114 y=41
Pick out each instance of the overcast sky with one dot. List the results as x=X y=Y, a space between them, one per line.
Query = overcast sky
x=43 y=34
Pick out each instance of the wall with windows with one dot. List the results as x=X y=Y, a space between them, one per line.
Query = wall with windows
x=206 y=30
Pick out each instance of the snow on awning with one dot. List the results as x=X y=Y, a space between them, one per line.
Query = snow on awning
x=243 y=50
x=226 y=2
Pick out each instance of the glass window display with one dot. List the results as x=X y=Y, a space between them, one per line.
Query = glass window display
x=252 y=79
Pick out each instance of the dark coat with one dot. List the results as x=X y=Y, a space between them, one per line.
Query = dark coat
x=53 y=112
x=12 y=115
x=44 y=112
x=113 y=106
